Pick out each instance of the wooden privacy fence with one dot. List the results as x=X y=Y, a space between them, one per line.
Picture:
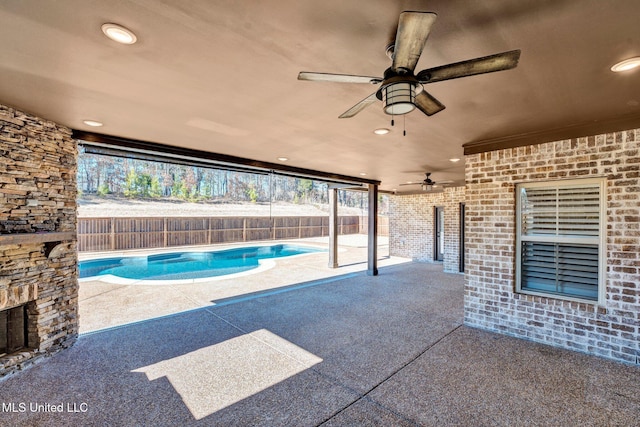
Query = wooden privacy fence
x=383 y=225
x=105 y=234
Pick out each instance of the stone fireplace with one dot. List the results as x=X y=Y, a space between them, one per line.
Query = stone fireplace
x=38 y=261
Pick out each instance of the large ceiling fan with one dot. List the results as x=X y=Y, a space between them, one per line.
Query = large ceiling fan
x=401 y=90
x=428 y=184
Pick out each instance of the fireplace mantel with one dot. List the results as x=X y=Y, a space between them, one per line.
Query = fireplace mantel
x=26 y=238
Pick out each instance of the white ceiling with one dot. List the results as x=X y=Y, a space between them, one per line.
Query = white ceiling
x=221 y=76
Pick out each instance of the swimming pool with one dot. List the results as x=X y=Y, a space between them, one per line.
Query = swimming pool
x=189 y=265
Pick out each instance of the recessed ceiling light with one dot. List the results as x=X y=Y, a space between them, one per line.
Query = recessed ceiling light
x=626 y=65
x=381 y=131
x=454 y=160
x=119 y=34
x=93 y=123
x=283 y=159
x=363 y=174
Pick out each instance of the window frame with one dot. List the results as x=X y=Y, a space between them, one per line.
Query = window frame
x=600 y=182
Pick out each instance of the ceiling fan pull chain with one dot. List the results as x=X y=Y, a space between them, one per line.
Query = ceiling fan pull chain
x=392 y=121
x=404 y=125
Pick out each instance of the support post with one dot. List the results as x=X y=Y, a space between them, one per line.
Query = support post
x=372 y=244
x=333 y=227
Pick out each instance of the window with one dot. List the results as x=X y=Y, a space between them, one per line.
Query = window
x=12 y=330
x=560 y=232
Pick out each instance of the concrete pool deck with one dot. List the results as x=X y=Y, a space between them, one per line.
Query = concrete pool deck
x=137 y=302
x=351 y=350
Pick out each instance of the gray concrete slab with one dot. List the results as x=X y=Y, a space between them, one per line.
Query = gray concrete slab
x=473 y=377
x=344 y=321
x=364 y=412
x=343 y=351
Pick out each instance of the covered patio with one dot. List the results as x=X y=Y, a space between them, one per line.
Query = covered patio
x=353 y=350
x=220 y=84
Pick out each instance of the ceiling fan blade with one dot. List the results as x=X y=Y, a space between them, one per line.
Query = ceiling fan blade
x=337 y=78
x=413 y=30
x=428 y=104
x=359 y=106
x=471 y=67
x=413 y=183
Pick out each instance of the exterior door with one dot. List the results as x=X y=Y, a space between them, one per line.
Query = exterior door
x=462 y=213
x=439 y=234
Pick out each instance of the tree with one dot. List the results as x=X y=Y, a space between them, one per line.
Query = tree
x=304 y=187
x=252 y=193
x=155 y=190
x=130 y=187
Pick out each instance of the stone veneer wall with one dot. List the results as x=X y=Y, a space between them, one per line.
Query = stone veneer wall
x=411 y=226
x=38 y=196
x=610 y=330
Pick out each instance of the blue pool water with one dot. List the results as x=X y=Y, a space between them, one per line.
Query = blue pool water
x=188 y=265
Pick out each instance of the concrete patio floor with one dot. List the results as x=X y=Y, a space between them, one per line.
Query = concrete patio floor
x=388 y=350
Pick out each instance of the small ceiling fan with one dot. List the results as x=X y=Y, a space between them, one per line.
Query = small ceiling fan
x=401 y=90
x=428 y=183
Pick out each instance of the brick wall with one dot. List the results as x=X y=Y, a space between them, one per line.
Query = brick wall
x=38 y=261
x=610 y=330
x=411 y=226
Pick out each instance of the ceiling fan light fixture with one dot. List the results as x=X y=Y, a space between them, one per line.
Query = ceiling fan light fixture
x=626 y=65
x=399 y=98
x=118 y=33
x=381 y=131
